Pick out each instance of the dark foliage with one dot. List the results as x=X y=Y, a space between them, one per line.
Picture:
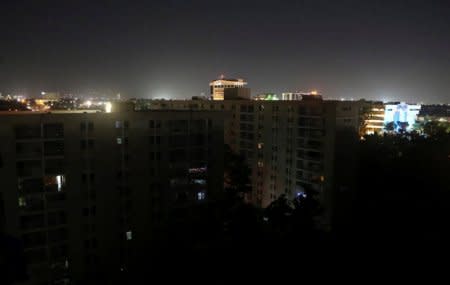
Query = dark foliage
x=403 y=190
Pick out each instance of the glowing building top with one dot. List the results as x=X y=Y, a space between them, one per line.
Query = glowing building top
x=219 y=86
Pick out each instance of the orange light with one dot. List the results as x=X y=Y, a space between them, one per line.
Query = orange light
x=314 y=92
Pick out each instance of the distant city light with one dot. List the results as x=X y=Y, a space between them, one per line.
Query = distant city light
x=42 y=93
x=108 y=107
x=314 y=92
x=88 y=103
x=272 y=97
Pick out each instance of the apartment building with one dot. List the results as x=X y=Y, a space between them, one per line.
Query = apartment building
x=289 y=145
x=86 y=192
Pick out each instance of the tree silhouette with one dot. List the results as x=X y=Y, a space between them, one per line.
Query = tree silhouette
x=289 y=222
x=402 y=189
x=434 y=128
x=236 y=173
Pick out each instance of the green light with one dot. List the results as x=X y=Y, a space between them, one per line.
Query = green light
x=271 y=97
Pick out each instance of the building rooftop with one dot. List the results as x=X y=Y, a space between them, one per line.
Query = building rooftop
x=49 y=112
x=229 y=79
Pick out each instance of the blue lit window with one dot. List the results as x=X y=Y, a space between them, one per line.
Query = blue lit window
x=201 y=196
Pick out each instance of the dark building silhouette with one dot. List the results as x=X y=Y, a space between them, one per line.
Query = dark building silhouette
x=87 y=193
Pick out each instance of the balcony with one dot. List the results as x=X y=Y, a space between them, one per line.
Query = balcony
x=29 y=168
x=30 y=185
x=31 y=203
x=29 y=150
x=55 y=200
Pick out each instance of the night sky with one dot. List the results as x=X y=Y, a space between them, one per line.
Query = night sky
x=392 y=50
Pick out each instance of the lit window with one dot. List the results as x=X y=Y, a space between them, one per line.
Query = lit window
x=201 y=196
x=197 y=170
x=129 y=235
x=199 y=181
x=60 y=181
x=260 y=145
x=54 y=183
x=22 y=202
x=118 y=124
x=119 y=140
x=260 y=164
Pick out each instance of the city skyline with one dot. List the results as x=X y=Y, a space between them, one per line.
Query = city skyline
x=382 y=51
x=157 y=140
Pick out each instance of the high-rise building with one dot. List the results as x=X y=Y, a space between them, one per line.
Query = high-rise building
x=87 y=192
x=227 y=88
x=289 y=145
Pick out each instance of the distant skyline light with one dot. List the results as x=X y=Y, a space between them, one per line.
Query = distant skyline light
x=345 y=49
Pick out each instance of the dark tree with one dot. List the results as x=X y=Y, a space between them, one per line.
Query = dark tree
x=236 y=173
x=433 y=128
x=289 y=223
x=403 y=189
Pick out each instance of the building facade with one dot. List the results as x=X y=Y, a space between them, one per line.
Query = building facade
x=289 y=145
x=86 y=193
x=219 y=88
x=439 y=113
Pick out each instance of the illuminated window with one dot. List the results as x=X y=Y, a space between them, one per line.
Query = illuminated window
x=197 y=170
x=199 y=181
x=60 y=181
x=22 y=202
x=119 y=140
x=260 y=145
x=201 y=196
x=54 y=183
x=129 y=235
x=260 y=164
x=118 y=124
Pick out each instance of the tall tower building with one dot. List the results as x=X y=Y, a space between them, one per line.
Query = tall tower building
x=235 y=88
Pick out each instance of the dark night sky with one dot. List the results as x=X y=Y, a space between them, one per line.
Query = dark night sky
x=397 y=50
